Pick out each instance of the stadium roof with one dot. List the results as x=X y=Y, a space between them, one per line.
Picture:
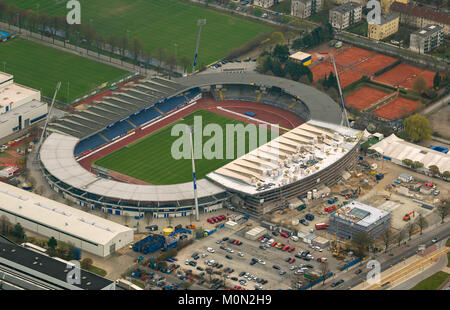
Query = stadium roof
x=399 y=149
x=295 y=155
x=320 y=105
x=57 y=156
x=58 y=216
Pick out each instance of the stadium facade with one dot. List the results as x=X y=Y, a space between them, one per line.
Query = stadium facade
x=147 y=101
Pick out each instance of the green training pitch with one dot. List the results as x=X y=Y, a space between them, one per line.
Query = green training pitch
x=41 y=67
x=149 y=159
x=161 y=23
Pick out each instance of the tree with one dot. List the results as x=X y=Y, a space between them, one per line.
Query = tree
x=281 y=53
x=5 y=224
x=172 y=63
x=324 y=271
x=100 y=42
x=113 y=42
x=89 y=35
x=297 y=44
x=410 y=228
x=18 y=232
x=417 y=127
x=277 y=68
x=421 y=222
x=446 y=174
x=43 y=21
x=420 y=84
x=123 y=46
x=137 y=47
x=86 y=263
x=277 y=38
x=387 y=238
x=264 y=63
x=257 y=12
x=52 y=243
x=362 y=241
x=434 y=169
x=417 y=164
x=407 y=162
x=185 y=63
x=161 y=54
x=437 y=80
x=399 y=237
x=443 y=209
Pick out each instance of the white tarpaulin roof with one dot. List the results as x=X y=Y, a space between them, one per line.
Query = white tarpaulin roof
x=399 y=149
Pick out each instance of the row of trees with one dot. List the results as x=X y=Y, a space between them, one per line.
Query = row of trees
x=278 y=63
x=57 y=27
x=316 y=37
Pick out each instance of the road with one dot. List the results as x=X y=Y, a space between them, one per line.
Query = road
x=442 y=231
x=436 y=105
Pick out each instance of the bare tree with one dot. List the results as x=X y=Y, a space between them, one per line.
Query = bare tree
x=410 y=228
x=443 y=209
x=387 y=238
x=113 y=42
x=172 y=63
x=324 y=271
x=160 y=55
x=421 y=222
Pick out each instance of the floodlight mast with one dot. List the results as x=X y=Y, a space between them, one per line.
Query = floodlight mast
x=200 y=23
x=47 y=119
x=344 y=120
x=194 y=179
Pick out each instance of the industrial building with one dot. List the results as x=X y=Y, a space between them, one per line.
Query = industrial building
x=305 y=8
x=396 y=150
x=357 y=217
x=387 y=27
x=49 y=218
x=426 y=39
x=20 y=106
x=345 y=15
x=301 y=58
x=26 y=269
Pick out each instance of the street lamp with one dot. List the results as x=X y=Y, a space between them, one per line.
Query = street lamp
x=200 y=23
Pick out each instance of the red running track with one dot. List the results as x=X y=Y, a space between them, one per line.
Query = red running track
x=264 y=112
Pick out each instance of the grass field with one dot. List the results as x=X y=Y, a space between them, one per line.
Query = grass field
x=161 y=23
x=41 y=67
x=150 y=159
x=432 y=282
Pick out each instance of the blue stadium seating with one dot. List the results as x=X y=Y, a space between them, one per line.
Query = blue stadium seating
x=144 y=116
x=171 y=104
x=192 y=93
x=117 y=130
x=90 y=143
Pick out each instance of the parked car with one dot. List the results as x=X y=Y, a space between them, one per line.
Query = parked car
x=291 y=249
x=285 y=235
x=337 y=283
x=276 y=267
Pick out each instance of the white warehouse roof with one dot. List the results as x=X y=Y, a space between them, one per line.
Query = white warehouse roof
x=399 y=149
x=58 y=216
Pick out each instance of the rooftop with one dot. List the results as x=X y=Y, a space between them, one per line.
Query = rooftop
x=440 y=17
x=346 y=7
x=58 y=216
x=297 y=154
x=48 y=266
x=4 y=77
x=360 y=214
x=12 y=93
x=428 y=30
x=300 y=56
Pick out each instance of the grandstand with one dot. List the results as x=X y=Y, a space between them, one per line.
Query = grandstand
x=147 y=100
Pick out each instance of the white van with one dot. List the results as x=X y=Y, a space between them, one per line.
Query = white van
x=294 y=238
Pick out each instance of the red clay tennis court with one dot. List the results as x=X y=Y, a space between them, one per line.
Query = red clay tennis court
x=397 y=108
x=348 y=77
x=376 y=63
x=404 y=76
x=322 y=69
x=364 y=97
x=352 y=56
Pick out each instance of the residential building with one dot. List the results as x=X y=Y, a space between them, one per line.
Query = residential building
x=387 y=27
x=386 y=5
x=305 y=8
x=426 y=39
x=345 y=15
x=420 y=17
x=264 y=3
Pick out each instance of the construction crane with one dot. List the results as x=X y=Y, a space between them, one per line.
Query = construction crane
x=344 y=121
x=335 y=247
x=407 y=216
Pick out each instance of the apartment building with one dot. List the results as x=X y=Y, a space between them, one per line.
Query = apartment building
x=305 y=8
x=264 y=3
x=386 y=5
x=420 y=17
x=387 y=27
x=426 y=39
x=345 y=15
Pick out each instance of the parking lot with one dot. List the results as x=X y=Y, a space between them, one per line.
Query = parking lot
x=239 y=257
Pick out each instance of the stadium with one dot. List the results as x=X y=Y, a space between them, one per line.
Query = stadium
x=94 y=157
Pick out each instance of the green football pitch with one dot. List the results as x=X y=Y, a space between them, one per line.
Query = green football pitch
x=161 y=23
x=41 y=67
x=150 y=158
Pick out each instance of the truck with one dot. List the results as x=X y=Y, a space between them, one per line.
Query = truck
x=321 y=226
